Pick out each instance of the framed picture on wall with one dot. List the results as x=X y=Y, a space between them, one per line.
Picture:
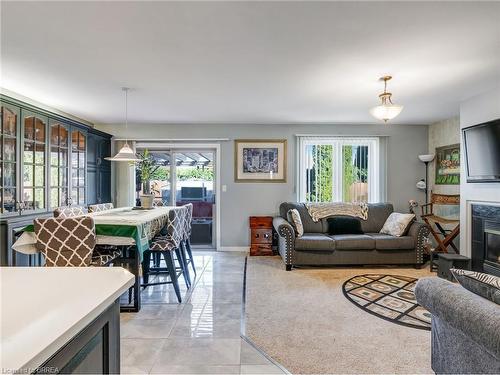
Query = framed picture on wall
x=260 y=160
x=448 y=165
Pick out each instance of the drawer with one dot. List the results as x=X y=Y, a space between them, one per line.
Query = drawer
x=262 y=236
x=261 y=222
x=261 y=250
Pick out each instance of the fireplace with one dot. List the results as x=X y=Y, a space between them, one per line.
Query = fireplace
x=486 y=239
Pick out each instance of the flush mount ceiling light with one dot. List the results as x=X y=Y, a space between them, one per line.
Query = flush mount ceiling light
x=125 y=153
x=386 y=110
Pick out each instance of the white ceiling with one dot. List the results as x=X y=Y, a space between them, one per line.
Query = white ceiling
x=250 y=62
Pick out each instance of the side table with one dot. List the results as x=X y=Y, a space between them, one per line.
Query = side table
x=447 y=261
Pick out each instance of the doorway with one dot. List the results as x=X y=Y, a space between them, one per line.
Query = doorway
x=187 y=175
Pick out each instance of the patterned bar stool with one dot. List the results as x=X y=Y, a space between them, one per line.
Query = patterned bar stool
x=187 y=235
x=71 y=242
x=166 y=245
x=68 y=211
x=100 y=207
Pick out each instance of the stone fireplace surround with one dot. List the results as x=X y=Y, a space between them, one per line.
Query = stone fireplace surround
x=485 y=239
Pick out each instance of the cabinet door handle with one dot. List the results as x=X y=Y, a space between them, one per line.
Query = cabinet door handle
x=99 y=161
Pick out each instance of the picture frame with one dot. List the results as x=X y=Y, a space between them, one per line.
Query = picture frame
x=448 y=165
x=260 y=160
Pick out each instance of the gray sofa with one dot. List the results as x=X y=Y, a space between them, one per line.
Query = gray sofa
x=465 y=328
x=317 y=247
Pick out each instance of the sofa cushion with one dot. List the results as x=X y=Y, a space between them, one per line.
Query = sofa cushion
x=293 y=218
x=397 y=224
x=388 y=242
x=377 y=215
x=309 y=225
x=344 y=225
x=353 y=242
x=314 y=241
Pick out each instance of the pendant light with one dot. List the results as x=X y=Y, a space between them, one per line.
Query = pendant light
x=125 y=153
x=386 y=110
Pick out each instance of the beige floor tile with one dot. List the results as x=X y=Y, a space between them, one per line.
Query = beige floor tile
x=183 y=351
x=199 y=369
x=139 y=355
x=147 y=328
x=260 y=369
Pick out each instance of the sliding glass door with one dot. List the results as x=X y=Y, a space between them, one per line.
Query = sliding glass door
x=182 y=177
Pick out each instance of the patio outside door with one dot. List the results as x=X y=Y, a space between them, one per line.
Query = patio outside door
x=188 y=176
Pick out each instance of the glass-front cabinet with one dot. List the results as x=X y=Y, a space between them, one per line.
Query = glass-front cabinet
x=78 y=166
x=45 y=159
x=9 y=130
x=59 y=164
x=34 y=150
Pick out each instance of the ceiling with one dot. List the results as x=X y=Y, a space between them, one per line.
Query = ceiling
x=249 y=62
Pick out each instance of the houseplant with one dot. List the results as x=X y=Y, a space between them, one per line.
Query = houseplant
x=146 y=167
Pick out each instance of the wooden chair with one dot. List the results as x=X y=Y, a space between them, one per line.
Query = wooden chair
x=444 y=237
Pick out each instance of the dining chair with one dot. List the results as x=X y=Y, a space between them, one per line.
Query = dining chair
x=188 y=219
x=70 y=211
x=100 y=207
x=71 y=242
x=167 y=245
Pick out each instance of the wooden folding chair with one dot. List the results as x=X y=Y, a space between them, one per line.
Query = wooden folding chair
x=444 y=237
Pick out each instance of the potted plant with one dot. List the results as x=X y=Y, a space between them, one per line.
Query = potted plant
x=146 y=167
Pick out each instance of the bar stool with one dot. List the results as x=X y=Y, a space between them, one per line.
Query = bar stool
x=71 y=242
x=100 y=207
x=70 y=211
x=166 y=246
x=187 y=235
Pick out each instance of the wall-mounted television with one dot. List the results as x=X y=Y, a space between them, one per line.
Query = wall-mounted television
x=482 y=152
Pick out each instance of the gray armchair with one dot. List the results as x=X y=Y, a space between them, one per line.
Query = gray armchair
x=465 y=328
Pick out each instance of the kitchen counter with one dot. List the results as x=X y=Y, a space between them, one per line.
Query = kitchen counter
x=42 y=309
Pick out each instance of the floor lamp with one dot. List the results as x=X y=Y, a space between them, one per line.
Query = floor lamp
x=426 y=159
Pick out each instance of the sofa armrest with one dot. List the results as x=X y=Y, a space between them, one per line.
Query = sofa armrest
x=475 y=316
x=286 y=243
x=419 y=231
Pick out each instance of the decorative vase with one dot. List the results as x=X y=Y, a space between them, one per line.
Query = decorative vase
x=147 y=200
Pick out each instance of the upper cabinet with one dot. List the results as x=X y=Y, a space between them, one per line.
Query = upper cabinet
x=48 y=161
x=9 y=131
x=34 y=157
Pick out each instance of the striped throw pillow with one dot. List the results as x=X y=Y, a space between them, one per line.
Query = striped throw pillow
x=482 y=284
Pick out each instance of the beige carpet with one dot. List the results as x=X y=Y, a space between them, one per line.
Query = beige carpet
x=303 y=321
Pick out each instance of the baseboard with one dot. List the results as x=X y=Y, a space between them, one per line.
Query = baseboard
x=244 y=249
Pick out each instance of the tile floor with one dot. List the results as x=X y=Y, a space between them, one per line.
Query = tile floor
x=199 y=336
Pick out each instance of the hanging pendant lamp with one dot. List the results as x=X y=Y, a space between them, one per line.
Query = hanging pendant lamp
x=125 y=153
x=386 y=110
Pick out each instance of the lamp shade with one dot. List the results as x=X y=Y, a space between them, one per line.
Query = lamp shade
x=125 y=154
x=426 y=158
x=386 y=112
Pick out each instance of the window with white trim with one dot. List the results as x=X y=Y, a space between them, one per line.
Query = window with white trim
x=338 y=169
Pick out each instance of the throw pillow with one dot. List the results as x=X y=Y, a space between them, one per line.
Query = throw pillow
x=344 y=225
x=482 y=284
x=296 y=221
x=396 y=224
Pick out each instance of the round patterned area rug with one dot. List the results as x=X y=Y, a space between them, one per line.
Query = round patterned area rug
x=389 y=297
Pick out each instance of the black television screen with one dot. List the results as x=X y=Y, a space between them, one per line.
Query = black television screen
x=482 y=152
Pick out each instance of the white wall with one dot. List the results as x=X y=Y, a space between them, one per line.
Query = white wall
x=481 y=108
x=403 y=143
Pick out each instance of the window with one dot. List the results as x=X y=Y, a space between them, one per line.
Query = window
x=338 y=169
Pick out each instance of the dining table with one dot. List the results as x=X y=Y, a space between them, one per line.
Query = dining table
x=129 y=227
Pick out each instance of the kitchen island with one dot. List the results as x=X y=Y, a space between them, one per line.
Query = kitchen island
x=61 y=319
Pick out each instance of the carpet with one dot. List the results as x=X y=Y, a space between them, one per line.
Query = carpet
x=302 y=320
x=389 y=297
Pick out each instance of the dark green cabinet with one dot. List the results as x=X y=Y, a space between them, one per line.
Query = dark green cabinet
x=46 y=161
x=99 y=169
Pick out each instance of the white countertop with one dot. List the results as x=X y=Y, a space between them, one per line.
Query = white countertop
x=42 y=308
